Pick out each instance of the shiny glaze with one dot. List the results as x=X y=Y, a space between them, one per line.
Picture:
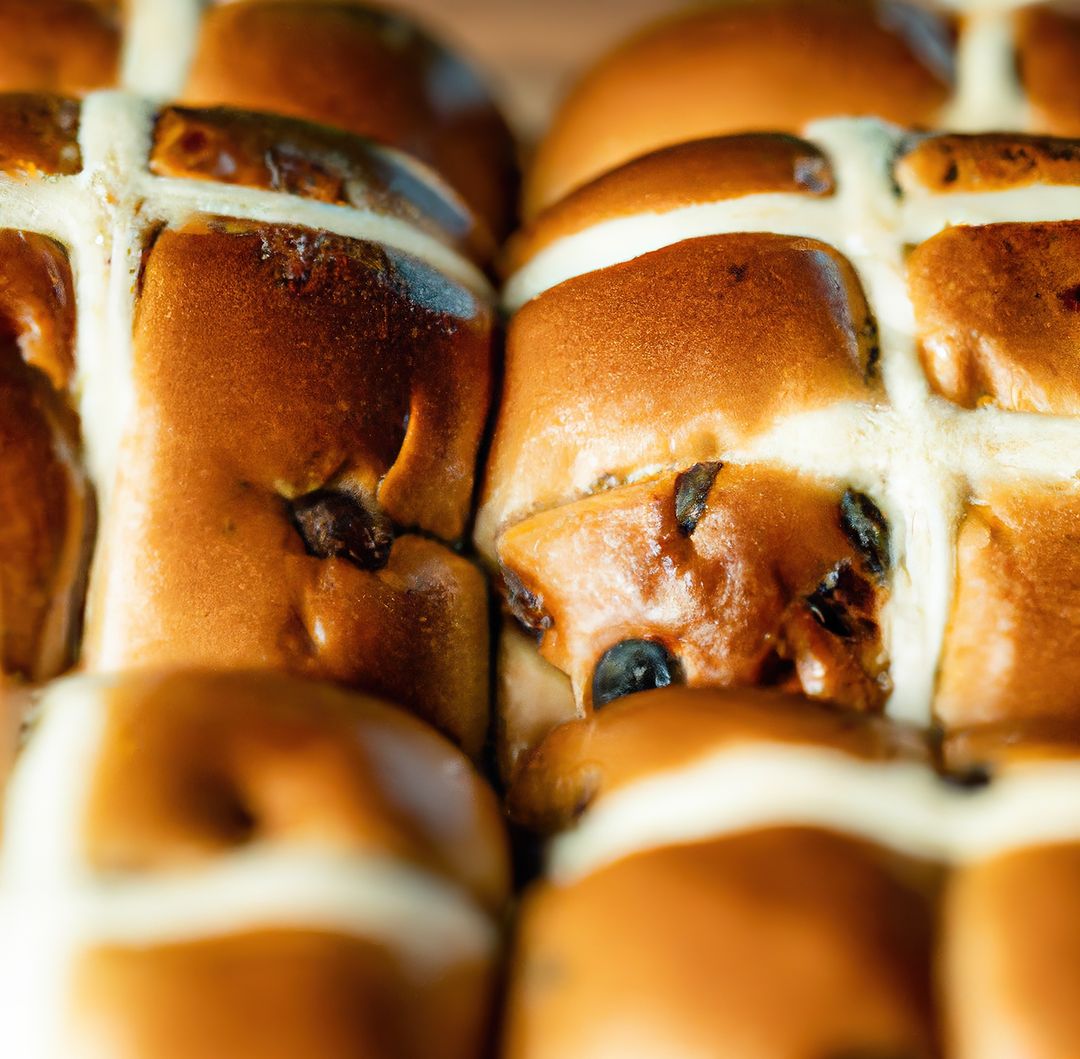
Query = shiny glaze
x=271 y=362
x=44 y=496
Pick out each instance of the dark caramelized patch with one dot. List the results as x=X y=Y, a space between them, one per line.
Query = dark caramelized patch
x=988 y=162
x=871 y=340
x=315 y=162
x=526 y=606
x=343 y=525
x=867 y=529
x=692 y=490
x=632 y=666
x=305 y=261
x=39 y=134
x=1070 y=299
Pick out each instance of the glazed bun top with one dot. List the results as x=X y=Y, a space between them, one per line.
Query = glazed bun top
x=340 y=64
x=279 y=340
x=174 y=771
x=208 y=863
x=277 y=760
x=742 y=65
x=671 y=729
x=833 y=367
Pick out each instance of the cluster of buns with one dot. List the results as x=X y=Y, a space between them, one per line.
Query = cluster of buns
x=775 y=65
x=787 y=453
x=240 y=864
x=246 y=361
x=780 y=513
x=747 y=873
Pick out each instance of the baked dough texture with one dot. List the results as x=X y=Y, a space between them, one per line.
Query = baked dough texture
x=746 y=872
x=246 y=366
x=250 y=864
x=796 y=413
x=775 y=65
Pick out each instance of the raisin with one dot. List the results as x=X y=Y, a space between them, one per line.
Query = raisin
x=692 y=489
x=632 y=666
x=840 y=600
x=865 y=526
x=827 y=612
x=341 y=525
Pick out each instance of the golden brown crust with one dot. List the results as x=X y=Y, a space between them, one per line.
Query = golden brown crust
x=365 y=71
x=1012 y=649
x=669 y=359
x=274 y=994
x=767 y=588
x=998 y=311
x=741 y=67
x=1012 y=956
x=991 y=161
x=194 y=765
x=775 y=943
x=64 y=46
x=39 y=134
x=283 y=154
x=1047 y=54
x=276 y=369
x=988 y=747
x=662 y=730
x=683 y=175
x=43 y=492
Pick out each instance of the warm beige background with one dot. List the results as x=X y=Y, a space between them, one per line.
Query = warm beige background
x=531 y=50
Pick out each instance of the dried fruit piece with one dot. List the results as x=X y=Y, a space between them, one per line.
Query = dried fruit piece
x=692 y=490
x=632 y=666
x=342 y=525
x=867 y=529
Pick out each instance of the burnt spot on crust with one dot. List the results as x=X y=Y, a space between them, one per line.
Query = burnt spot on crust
x=525 y=605
x=1070 y=299
x=692 y=490
x=986 y=161
x=777 y=671
x=842 y=602
x=304 y=259
x=825 y=610
x=315 y=162
x=336 y=524
x=631 y=666
x=867 y=529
